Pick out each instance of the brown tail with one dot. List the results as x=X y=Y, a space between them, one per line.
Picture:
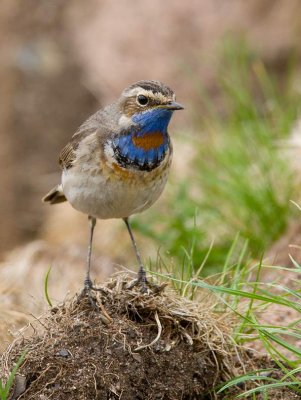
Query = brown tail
x=55 y=196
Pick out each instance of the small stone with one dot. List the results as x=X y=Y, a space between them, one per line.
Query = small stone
x=63 y=353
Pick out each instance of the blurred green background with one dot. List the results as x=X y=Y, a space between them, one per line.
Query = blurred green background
x=241 y=176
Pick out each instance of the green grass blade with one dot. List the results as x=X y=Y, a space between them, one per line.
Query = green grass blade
x=2 y=394
x=46 y=287
x=8 y=385
x=240 y=293
x=270 y=386
x=246 y=378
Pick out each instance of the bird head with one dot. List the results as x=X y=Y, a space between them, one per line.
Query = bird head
x=150 y=104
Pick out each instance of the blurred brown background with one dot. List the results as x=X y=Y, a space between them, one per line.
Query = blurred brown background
x=61 y=60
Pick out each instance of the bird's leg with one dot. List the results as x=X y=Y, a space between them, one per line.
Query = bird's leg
x=88 y=286
x=88 y=282
x=141 y=272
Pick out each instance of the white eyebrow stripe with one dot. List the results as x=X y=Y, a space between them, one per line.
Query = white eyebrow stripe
x=137 y=90
x=149 y=93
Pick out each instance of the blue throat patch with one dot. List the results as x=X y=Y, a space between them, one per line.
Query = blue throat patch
x=145 y=146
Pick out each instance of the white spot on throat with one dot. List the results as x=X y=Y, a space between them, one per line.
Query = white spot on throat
x=125 y=122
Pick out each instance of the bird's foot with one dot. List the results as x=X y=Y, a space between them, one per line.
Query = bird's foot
x=88 y=286
x=87 y=291
x=141 y=281
x=144 y=283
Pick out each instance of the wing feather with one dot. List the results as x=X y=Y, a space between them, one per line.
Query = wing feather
x=100 y=122
x=68 y=154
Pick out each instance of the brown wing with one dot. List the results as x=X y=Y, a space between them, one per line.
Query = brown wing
x=101 y=121
x=68 y=154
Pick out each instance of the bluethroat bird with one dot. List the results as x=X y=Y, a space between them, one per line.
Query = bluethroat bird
x=117 y=163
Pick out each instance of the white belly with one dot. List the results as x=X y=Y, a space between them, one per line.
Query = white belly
x=101 y=197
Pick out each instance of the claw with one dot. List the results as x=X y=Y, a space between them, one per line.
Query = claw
x=145 y=285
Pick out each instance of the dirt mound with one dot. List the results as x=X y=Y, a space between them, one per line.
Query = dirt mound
x=130 y=346
x=123 y=344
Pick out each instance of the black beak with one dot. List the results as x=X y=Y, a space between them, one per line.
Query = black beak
x=172 y=105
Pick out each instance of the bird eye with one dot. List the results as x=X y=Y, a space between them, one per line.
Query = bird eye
x=142 y=100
